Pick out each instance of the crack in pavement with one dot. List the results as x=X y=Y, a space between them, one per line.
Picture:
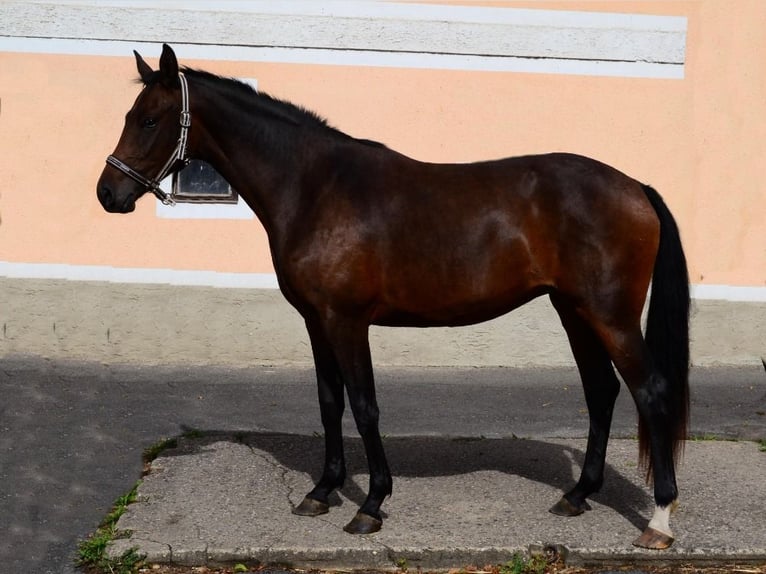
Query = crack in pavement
x=326 y=522
x=282 y=470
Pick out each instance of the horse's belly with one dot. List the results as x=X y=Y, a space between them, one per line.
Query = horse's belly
x=450 y=309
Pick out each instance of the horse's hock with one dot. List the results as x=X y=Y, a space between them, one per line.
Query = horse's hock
x=169 y=324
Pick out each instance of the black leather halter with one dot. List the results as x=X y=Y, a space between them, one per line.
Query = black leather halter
x=179 y=153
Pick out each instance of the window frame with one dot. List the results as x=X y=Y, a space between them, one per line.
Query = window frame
x=181 y=196
x=232 y=198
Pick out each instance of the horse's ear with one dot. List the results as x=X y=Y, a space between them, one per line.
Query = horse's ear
x=168 y=67
x=144 y=70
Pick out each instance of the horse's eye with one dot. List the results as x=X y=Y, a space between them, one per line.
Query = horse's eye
x=150 y=123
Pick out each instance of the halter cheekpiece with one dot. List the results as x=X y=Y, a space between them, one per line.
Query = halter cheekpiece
x=179 y=153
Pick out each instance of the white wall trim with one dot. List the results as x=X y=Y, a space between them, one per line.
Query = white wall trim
x=336 y=58
x=363 y=33
x=729 y=293
x=388 y=10
x=204 y=210
x=15 y=270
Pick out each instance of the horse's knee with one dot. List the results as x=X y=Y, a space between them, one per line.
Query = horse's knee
x=366 y=417
x=331 y=415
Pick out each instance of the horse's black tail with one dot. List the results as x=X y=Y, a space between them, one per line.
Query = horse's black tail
x=667 y=329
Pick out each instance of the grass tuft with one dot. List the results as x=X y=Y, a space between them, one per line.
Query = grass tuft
x=519 y=564
x=91 y=553
x=153 y=451
x=193 y=433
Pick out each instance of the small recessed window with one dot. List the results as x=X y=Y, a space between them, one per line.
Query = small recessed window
x=200 y=182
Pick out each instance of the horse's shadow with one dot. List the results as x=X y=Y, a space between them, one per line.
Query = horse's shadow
x=549 y=463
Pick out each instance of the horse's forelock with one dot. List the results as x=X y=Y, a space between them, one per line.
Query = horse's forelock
x=150 y=81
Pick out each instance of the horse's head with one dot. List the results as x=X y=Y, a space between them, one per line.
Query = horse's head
x=153 y=141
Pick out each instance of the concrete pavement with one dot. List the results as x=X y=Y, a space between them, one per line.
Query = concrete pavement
x=456 y=502
x=465 y=491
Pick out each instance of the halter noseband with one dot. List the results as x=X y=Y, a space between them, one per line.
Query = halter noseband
x=179 y=153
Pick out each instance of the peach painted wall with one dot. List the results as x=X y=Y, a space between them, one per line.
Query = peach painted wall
x=701 y=141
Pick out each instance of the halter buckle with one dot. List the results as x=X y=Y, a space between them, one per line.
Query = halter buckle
x=165 y=198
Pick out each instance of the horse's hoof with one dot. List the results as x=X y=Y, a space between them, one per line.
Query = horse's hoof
x=653 y=539
x=311 y=507
x=363 y=524
x=565 y=508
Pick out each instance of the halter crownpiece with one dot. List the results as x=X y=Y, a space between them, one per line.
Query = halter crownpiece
x=179 y=153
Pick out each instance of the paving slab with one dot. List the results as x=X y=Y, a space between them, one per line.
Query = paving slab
x=456 y=502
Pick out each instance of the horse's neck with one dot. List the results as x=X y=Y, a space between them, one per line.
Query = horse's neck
x=264 y=177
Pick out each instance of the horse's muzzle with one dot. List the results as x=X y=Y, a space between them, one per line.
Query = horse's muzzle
x=112 y=202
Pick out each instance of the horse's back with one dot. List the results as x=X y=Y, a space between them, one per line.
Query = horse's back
x=492 y=235
x=449 y=244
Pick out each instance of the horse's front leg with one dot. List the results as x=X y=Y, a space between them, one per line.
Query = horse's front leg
x=350 y=343
x=331 y=405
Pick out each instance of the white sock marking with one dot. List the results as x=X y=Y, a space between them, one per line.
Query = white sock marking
x=661 y=519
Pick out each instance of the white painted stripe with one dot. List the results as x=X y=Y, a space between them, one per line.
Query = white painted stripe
x=381 y=33
x=137 y=275
x=204 y=210
x=400 y=11
x=729 y=293
x=349 y=58
x=15 y=270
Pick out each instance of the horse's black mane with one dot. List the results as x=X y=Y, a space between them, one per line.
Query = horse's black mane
x=281 y=109
x=238 y=90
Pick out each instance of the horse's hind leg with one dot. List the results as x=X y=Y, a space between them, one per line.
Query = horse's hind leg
x=601 y=389
x=651 y=394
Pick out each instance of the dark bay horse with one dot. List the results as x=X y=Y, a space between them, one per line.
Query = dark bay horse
x=363 y=235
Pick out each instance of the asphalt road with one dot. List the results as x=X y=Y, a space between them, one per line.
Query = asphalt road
x=72 y=434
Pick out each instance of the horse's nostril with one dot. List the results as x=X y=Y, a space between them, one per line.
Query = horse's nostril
x=105 y=196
